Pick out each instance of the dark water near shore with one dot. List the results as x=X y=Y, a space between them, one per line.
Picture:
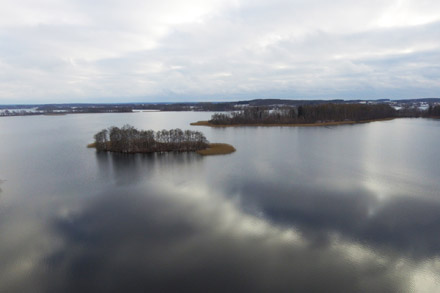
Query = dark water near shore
x=352 y=208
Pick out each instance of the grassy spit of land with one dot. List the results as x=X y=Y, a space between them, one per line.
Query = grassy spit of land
x=217 y=149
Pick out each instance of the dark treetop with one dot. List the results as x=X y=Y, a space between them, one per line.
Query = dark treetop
x=130 y=140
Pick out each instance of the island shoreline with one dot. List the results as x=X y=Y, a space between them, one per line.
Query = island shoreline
x=212 y=150
x=329 y=123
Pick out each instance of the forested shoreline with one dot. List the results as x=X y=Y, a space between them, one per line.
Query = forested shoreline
x=314 y=114
x=131 y=140
x=433 y=111
x=305 y=114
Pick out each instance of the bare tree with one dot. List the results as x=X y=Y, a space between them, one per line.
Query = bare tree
x=130 y=140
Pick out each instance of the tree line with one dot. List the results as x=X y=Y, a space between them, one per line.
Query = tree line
x=131 y=140
x=306 y=114
x=434 y=111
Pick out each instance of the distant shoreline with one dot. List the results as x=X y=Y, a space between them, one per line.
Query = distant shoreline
x=329 y=123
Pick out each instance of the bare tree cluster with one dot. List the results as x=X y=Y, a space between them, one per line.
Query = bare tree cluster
x=305 y=114
x=415 y=112
x=434 y=111
x=17 y=113
x=130 y=140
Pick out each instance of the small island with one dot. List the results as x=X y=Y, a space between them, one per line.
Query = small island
x=307 y=115
x=131 y=140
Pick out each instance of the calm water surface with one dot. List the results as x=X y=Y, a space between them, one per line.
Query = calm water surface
x=345 y=209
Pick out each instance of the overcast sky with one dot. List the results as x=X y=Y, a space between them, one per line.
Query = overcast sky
x=217 y=50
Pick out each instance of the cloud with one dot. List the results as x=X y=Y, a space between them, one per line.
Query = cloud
x=59 y=51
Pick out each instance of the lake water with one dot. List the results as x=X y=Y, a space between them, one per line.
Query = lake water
x=352 y=208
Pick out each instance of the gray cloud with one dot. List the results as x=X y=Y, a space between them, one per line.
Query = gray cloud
x=217 y=50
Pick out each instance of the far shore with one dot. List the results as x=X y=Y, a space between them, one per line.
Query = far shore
x=329 y=123
x=213 y=149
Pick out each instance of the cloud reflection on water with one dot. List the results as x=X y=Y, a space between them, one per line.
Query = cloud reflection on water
x=407 y=223
x=188 y=239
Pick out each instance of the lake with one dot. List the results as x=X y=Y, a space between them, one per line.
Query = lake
x=350 y=208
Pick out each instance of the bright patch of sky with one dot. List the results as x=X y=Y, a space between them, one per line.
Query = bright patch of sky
x=59 y=51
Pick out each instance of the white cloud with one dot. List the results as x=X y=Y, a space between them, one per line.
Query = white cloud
x=65 y=50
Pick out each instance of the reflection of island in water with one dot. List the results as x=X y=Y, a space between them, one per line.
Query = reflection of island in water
x=125 y=169
x=129 y=140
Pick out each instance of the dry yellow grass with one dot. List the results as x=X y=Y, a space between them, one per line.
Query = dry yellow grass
x=54 y=114
x=91 y=145
x=204 y=123
x=331 y=123
x=217 y=149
